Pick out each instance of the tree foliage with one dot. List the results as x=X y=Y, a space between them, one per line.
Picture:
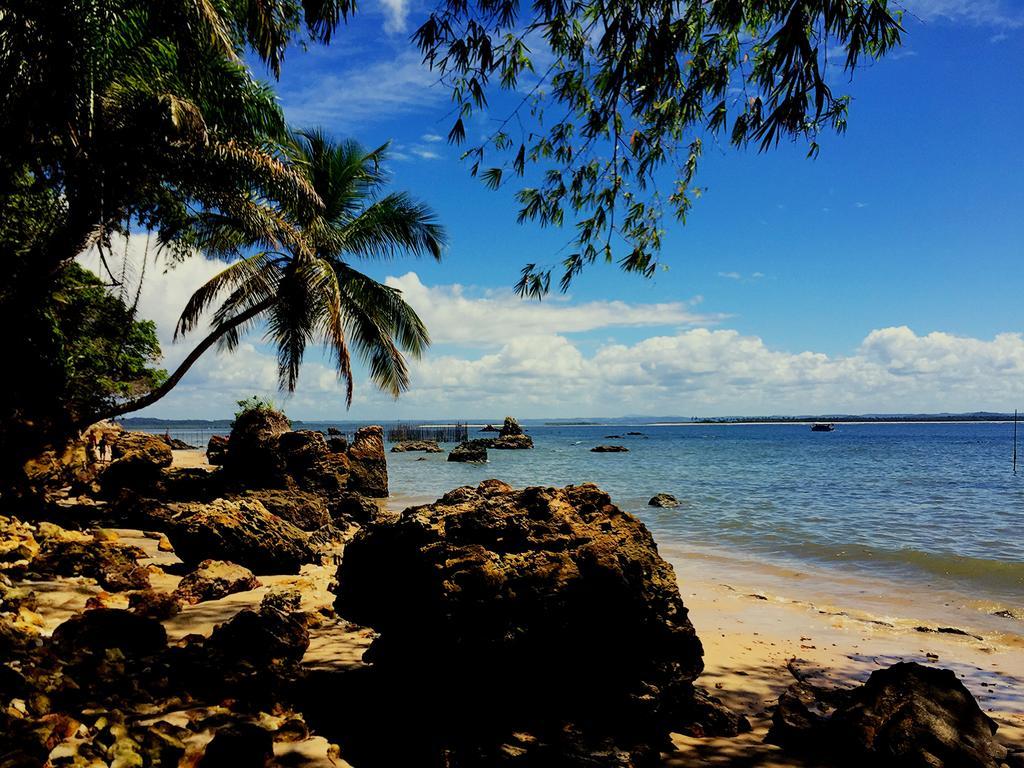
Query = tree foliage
x=617 y=100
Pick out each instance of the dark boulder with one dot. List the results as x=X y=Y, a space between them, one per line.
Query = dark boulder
x=216 y=449
x=470 y=451
x=527 y=611
x=310 y=464
x=337 y=444
x=333 y=431
x=239 y=530
x=136 y=461
x=610 y=449
x=240 y=745
x=261 y=639
x=154 y=605
x=490 y=428
x=369 y=464
x=907 y=716
x=664 y=500
x=427 y=446
x=253 y=457
x=103 y=628
x=511 y=442
x=214 y=579
x=353 y=507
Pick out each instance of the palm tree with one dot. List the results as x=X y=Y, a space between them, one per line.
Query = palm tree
x=304 y=288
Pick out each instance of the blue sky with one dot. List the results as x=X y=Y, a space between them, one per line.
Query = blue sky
x=882 y=276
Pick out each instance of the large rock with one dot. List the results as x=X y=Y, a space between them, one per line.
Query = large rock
x=510 y=428
x=905 y=716
x=114 y=566
x=216 y=450
x=511 y=442
x=239 y=530
x=369 y=464
x=214 y=579
x=310 y=464
x=663 y=500
x=104 y=628
x=305 y=510
x=253 y=457
x=137 y=459
x=470 y=451
x=527 y=611
x=609 y=449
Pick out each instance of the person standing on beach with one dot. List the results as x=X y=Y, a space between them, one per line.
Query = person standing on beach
x=91 y=448
x=103 y=448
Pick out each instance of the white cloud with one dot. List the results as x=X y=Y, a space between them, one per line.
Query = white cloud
x=494 y=353
x=396 y=13
x=740 y=277
x=455 y=315
x=360 y=95
x=731 y=275
x=433 y=138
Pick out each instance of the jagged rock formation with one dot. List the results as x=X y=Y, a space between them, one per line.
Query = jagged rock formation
x=905 y=716
x=369 y=465
x=470 y=451
x=136 y=461
x=610 y=449
x=216 y=450
x=506 y=609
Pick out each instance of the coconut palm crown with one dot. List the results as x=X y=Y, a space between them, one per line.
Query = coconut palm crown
x=301 y=283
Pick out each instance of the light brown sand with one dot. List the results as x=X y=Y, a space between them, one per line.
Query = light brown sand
x=190 y=458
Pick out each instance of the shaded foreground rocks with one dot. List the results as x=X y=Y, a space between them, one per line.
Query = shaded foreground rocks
x=470 y=451
x=239 y=530
x=536 y=627
x=906 y=716
x=664 y=500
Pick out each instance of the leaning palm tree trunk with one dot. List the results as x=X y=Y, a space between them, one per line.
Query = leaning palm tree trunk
x=151 y=397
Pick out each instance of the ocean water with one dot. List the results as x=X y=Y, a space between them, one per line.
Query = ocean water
x=932 y=507
x=931 y=503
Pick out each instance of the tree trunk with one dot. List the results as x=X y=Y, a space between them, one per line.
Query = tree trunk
x=172 y=381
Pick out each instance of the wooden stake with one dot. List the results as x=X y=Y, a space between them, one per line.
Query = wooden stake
x=1015 y=441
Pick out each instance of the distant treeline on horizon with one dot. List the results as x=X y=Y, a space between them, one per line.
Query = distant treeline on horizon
x=158 y=423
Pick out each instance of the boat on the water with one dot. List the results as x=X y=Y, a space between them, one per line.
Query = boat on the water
x=823 y=427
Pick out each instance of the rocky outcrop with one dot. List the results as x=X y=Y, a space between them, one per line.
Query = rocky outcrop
x=510 y=428
x=905 y=716
x=114 y=566
x=253 y=458
x=511 y=442
x=610 y=449
x=470 y=451
x=239 y=530
x=369 y=465
x=427 y=446
x=309 y=463
x=216 y=450
x=664 y=500
x=352 y=507
x=306 y=511
x=137 y=459
x=214 y=579
x=104 y=628
x=532 y=613
x=489 y=428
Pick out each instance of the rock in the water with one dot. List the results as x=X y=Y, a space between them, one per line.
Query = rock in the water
x=137 y=458
x=906 y=716
x=527 y=611
x=369 y=465
x=214 y=579
x=665 y=500
x=490 y=428
x=239 y=530
x=216 y=449
x=427 y=446
x=610 y=449
x=510 y=442
x=333 y=431
x=306 y=511
x=471 y=450
x=510 y=428
x=103 y=628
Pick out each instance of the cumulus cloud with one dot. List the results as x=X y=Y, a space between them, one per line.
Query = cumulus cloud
x=494 y=353
x=456 y=315
x=396 y=14
x=997 y=13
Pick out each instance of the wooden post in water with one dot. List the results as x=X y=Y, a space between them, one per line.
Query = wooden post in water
x=1015 y=441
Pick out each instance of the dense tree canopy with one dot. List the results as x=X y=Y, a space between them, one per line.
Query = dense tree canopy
x=618 y=98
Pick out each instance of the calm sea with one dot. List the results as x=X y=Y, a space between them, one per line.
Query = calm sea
x=928 y=506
